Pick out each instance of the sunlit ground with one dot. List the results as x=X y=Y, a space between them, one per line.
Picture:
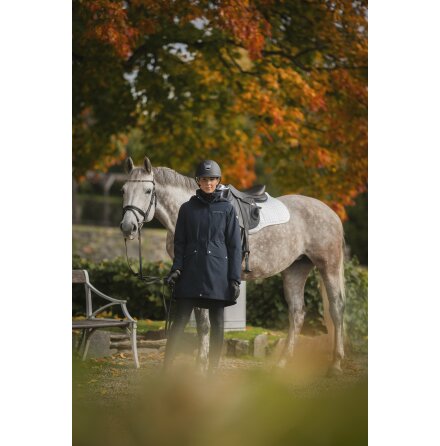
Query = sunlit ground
x=248 y=402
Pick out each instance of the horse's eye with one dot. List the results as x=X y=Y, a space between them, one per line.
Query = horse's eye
x=122 y=191
x=148 y=191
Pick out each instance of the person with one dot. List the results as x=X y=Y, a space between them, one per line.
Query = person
x=206 y=269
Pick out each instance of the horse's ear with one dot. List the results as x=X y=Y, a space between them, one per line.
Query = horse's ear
x=147 y=165
x=129 y=165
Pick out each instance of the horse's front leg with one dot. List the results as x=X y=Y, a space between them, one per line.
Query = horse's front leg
x=203 y=325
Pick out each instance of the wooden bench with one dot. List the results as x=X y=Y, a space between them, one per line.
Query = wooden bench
x=92 y=323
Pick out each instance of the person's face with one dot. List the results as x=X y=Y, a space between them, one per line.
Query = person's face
x=208 y=184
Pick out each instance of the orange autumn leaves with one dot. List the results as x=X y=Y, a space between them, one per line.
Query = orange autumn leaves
x=246 y=23
x=282 y=84
x=108 y=23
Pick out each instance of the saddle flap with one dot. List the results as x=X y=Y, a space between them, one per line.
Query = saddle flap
x=247 y=210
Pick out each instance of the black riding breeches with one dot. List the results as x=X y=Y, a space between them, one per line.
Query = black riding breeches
x=181 y=318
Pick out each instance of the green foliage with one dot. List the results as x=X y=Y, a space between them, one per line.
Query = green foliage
x=356 y=228
x=113 y=277
x=356 y=305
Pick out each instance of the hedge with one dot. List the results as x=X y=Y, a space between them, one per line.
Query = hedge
x=266 y=306
x=113 y=277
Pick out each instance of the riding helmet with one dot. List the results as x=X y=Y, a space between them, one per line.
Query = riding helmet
x=208 y=168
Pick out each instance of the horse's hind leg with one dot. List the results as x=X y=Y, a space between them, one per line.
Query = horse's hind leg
x=334 y=287
x=203 y=325
x=294 y=279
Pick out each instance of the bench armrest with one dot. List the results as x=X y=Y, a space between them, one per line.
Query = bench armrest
x=100 y=293
x=112 y=300
x=124 y=310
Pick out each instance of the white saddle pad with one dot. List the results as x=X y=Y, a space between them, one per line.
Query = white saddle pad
x=272 y=212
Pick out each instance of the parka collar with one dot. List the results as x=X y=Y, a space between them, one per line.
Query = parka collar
x=217 y=196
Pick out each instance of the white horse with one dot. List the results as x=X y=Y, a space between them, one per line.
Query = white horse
x=312 y=237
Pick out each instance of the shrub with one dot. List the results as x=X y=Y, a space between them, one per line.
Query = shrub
x=356 y=304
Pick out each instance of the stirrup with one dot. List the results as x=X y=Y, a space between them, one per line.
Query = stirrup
x=246 y=263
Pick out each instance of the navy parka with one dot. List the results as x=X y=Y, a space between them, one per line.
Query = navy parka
x=207 y=248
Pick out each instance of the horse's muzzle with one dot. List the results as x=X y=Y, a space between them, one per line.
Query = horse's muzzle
x=128 y=230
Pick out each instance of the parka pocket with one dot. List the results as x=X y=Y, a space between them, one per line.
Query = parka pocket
x=190 y=260
x=217 y=251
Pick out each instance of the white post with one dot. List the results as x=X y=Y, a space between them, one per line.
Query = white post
x=235 y=315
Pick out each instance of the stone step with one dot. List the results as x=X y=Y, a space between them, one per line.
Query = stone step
x=141 y=343
x=232 y=347
x=153 y=335
x=119 y=337
x=237 y=347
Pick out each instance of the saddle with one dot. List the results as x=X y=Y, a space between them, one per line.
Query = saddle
x=245 y=204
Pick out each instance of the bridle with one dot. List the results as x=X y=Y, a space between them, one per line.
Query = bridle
x=148 y=279
x=141 y=222
x=132 y=208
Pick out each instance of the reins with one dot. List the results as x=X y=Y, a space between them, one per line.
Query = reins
x=149 y=280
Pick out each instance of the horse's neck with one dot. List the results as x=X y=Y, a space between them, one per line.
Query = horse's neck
x=169 y=200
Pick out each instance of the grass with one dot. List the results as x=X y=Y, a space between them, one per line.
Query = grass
x=247 y=335
x=251 y=332
x=146 y=325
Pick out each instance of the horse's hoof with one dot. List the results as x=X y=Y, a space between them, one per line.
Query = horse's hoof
x=334 y=370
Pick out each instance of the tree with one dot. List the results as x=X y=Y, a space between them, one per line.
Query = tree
x=278 y=84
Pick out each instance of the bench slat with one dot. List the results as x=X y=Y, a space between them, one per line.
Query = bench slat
x=99 y=323
x=78 y=276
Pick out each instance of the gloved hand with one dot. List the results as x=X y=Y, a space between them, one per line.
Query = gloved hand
x=172 y=277
x=234 y=288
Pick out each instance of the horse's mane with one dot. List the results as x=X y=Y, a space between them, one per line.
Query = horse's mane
x=165 y=175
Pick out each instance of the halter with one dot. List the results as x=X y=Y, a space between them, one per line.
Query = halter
x=140 y=224
x=132 y=208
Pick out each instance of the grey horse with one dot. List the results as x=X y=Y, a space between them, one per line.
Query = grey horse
x=312 y=237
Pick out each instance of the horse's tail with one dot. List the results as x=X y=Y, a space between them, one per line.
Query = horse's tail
x=323 y=291
x=340 y=272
